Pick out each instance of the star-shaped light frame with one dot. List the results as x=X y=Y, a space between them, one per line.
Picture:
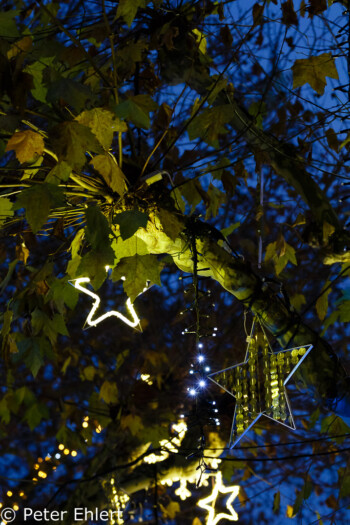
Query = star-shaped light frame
x=133 y=323
x=242 y=381
x=219 y=487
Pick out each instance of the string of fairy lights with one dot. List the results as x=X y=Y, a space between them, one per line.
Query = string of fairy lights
x=199 y=366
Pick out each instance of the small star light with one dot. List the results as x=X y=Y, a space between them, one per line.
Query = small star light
x=209 y=502
x=258 y=384
x=135 y=322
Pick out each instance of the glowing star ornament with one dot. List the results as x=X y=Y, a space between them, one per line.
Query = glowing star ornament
x=258 y=384
x=209 y=502
x=134 y=322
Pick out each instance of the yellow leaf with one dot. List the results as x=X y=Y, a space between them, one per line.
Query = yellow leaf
x=201 y=40
x=20 y=46
x=242 y=496
x=133 y=423
x=109 y=392
x=322 y=302
x=196 y=521
x=171 y=510
x=103 y=123
x=108 y=167
x=314 y=70
x=328 y=229
x=289 y=512
x=27 y=145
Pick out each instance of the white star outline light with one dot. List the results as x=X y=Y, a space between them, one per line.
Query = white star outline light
x=133 y=323
x=219 y=487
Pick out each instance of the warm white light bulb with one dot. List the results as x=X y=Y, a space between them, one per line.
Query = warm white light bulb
x=200 y=358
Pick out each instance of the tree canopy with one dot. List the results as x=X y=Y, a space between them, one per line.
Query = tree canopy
x=181 y=166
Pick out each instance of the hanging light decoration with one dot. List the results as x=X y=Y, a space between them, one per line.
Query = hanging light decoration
x=258 y=384
x=209 y=502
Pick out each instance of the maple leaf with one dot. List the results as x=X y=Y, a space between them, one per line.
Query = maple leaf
x=103 y=123
x=108 y=167
x=314 y=70
x=210 y=123
x=137 y=270
x=71 y=140
x=26 y=144
x=49 y=197
x=136 y=109
x=127 y=10
x=5 y=209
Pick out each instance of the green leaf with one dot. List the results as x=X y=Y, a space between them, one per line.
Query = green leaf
x=344 y=482
x=71 y=141
x=276 y=502
x=89 y=372
x=109 y=392
x=30 y=351
x=5 y=413
x=130 y=221
x=216 y=198
x=137 y=271
x=281 y=253
x=127 y=10
x=93 y=265
x=97 y=230
x=129 y=247
x=103 y=123
x=210 y=123
x=137 y=109
x=35 y=413
x=62 y=293
x=36 y=69
x=5 y=209
x=49 y=197
x=8 y=27
x=108 y=167
x=322 y=302
x=172 y=225
x=314 y=70
x=258 y=111
x=227 y=231
x=297 y=301
x=71 y=93
x=71 y=440
x=59 y=173
x=133 y=423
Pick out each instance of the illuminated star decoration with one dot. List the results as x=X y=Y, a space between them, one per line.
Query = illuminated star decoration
x=135 y=322
x=258 y=384
x=209 y=502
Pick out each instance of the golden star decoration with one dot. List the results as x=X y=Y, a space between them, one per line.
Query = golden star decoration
x=209 y=502
x=258 y=384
